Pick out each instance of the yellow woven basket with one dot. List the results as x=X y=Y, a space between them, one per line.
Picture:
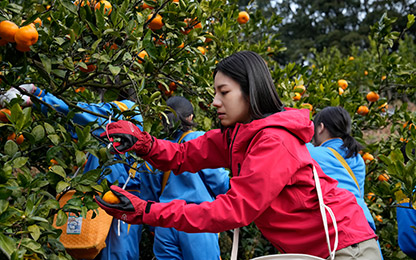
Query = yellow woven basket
x=92 y=232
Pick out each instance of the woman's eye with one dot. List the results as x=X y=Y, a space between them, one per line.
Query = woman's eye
x=224 y=92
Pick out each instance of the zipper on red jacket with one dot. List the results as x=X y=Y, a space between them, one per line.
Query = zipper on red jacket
x=231 y=151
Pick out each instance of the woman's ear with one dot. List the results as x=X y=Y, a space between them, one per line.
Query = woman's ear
x=321 y=128
x=189 y=118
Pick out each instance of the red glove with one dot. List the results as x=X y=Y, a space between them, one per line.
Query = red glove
x=130 y=209
x=132 y=138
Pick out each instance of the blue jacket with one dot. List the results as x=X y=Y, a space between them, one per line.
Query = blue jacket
x=191 y=187
x=406 y=221
x=125 y=246
x=334 y=169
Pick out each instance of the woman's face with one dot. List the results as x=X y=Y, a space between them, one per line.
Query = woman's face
x=232 y=106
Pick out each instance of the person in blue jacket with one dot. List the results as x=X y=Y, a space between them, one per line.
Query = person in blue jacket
x=336 y=152
x=406 y=221
x=118 y=246
x=205 y=185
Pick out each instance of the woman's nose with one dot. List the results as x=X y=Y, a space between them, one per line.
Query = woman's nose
x=216 y=102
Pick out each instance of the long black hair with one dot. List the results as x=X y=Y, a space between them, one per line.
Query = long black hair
x=338 y=122
x=183 y=109
x=251 y=72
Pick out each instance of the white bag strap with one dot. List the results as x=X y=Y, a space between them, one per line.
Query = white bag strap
x=322 y=208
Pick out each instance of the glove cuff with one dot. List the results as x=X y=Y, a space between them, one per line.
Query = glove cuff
x=144 y=144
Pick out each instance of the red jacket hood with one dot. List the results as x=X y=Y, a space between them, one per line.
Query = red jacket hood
x=296 y=121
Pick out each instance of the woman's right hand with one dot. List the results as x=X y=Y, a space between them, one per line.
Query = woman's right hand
x=131 y=138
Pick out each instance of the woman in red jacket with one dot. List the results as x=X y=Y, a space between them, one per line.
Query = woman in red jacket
x=263 y=144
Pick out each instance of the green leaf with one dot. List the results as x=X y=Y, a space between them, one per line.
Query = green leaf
x=114 y=70
x=8 y=244
x=58 y=170
x=4 y=204
x=62 y=185
x=90 y=177
x=54 y=139
x=410 y=20
x=69 y=63
x=61 y=218
x=38 y=132
x=69 y=6
x=49 y=129
x=46 y=62
x=10 y=148
x=19 y=162
x=34 y=231
x=80 y=157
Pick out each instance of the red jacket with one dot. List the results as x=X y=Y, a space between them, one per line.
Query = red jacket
x=272 y=185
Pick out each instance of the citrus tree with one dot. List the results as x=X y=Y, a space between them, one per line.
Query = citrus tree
x=97 y=51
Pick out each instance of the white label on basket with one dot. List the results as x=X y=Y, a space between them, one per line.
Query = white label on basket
x=74 y=224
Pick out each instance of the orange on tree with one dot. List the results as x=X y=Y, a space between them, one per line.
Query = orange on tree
x=142 y=54
x=107 y=6
x=243 y=17
x=367 y=157
x=383 y=177
x=111 y=198
x=18 y=140
x=53 y=162
x=362 y=110
x=307 y=106
x=372 y=96
x=371 y=196
x=173 y=86
x=300 y=89
x=146 y=6
x=379 y=218
x=8 y=30
x=383 y=77
x=175 y=1
x=3 y=116
x=343 y=83
x=202 y=50
x=365 y=72
x=156 y=23
x=351 y=58
x=26 y=36
x=297 y=96
x=22 y=48
x=90 y=67
x=208 y=39
x=37 y=21
x=182 y=45
x=80 y=89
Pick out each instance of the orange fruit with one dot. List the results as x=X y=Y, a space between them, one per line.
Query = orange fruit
x=243 y=17
x=383 y=77
x=142 y=54
x=362 y=110
x=365 y=73
x=379 y=218
x=182 y=45
x=111 y=47
x=90 y=67
x=172 y=86
x=302 y=87
x=351 y=58
x=156 y=23
x=343 y=83
x=368 y=157
x=198 y=25
x=12 y=136
x=208 y=39
x=340 y=91
x=175 y=1
x=383 y=177
x=111 y=198
x=307 y=105
x=383 y=107
x=80 y=89
x=372 y=96
x=26 y=36
x=3 y=42
x=297 y=96
x=146 y=6
x=107 y=7
x=38 y=21
x=54 y=162
x=22 y=48
x=371 y=196
x=8 y=30
x=3 y=117
x=20 y=139
x=202 y=50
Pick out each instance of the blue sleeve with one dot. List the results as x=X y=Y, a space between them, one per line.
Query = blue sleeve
x=406 y=220
x=150 y=182
x=84 y=118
